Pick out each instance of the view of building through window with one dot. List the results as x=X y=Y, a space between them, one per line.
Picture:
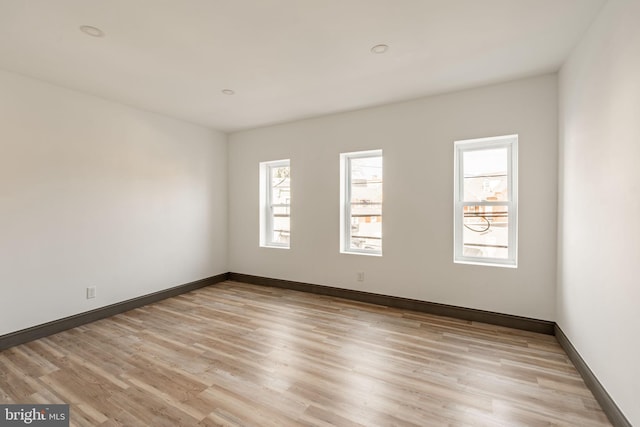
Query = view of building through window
x=486 y=201
x=280 y=204
x=363 y=204
x=485 y=208
x=485 y=231
x=275 y=203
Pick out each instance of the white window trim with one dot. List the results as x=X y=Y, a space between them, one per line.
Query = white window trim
x=510 y=142
x=345 y=201
x=266 y=206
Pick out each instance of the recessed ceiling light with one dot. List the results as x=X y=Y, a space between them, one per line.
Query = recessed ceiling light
x=379 y=48
x=92 y=31
x=228 y=91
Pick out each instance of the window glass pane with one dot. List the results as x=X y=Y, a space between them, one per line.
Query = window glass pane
x=486 y=231
x=275 y=204
x=485 y=175
x=280 y=204
x=366 y=228
x=280 y=184
x=366 y=179
x=281 y=225
x=366 y=203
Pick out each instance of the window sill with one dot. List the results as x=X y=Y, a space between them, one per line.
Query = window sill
x=375 y=254
x=275 y=247
x=485 y=263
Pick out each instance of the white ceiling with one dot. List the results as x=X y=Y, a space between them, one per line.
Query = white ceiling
x=286 y=59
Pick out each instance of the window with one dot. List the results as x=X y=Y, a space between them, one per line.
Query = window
x=275 y=204
x=361 y=202
x=486 y=201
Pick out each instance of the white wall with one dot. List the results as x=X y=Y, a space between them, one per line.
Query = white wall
x=417 y=138
x=94 y=193
x=599 y=215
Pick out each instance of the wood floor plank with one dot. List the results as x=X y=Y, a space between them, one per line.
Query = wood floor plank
x=236 y=354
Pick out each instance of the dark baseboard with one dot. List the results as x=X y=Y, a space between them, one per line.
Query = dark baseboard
x=609 y=407
x=50 y=328
x=516 y=322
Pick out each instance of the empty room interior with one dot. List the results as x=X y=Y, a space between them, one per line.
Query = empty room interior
x=321 y=212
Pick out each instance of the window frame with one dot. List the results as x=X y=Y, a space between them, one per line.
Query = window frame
x=345 y=201
x=510 y=142
x=267 y=206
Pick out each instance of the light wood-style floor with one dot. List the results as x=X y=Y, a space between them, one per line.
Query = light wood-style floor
x=243 y=355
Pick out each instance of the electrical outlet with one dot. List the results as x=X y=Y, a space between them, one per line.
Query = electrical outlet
x=91 y=292
x=361 y=276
